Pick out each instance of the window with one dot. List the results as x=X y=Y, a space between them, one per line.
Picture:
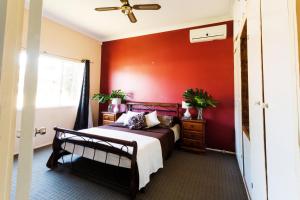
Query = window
x=59 y=82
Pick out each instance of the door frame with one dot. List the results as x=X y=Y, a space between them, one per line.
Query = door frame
x=294 y=17
x=12 y=12
x=28 y=112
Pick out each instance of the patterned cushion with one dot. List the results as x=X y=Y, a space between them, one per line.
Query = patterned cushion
x=136 y=122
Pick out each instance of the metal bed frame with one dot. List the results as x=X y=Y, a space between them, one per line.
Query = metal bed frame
x=107 y=144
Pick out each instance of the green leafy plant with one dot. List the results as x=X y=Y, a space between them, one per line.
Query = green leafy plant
x=199 y=98
x=118 y=94
x=104 y=98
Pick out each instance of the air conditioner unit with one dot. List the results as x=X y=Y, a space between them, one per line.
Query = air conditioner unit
x=208 y=34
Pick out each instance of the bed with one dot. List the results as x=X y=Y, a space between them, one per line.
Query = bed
x=138 y=152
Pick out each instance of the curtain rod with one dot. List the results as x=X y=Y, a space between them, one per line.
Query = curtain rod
x=60 y=56
x=68 y=58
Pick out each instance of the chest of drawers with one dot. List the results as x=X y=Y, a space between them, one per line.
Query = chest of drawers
x=193 y=135
x=109 y=117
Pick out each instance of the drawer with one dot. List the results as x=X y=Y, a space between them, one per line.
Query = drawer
x=193 y=126
x=107 y=122
x=193 y=135
x=109 y=117
x=193 y=143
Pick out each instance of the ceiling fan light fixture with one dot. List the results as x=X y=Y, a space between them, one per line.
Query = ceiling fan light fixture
x=126 y=9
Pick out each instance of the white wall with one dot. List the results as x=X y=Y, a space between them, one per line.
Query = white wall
x=62 y=41
x=59 y=40
x=243 y=145
x=237 y=111
x=2 y=25
x=49 y=118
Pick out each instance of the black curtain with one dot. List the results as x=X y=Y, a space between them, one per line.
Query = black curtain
x=82 y=118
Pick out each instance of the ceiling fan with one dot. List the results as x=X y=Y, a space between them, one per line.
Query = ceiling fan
x=127 y=9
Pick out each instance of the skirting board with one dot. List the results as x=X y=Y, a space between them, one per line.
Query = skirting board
x=221 y=151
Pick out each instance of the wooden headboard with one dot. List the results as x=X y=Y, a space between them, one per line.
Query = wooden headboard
x=170 y=109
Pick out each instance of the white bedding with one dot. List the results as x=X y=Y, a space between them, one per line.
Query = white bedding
x=149 y=154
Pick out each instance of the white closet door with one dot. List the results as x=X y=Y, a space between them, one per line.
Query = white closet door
x=256 y=118
x=281 y=98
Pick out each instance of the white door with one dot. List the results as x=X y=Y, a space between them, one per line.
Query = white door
x=281 y=111
x=256 y=115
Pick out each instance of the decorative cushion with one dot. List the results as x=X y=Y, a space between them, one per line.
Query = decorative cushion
x=151 y=119
x=136 y=122
x=165 y=121
x=129 y=114
x=122 y=118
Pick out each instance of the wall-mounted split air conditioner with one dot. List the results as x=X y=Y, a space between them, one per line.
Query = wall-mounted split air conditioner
x=208 y=34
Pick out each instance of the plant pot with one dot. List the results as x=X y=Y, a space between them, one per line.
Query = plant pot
x=200 y=113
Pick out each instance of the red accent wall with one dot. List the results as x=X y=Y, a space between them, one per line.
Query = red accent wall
x=160 y=67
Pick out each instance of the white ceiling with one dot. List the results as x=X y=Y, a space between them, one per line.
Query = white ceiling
x=174 y=14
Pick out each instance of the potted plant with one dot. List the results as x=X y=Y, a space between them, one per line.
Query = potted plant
x=116 y=97
x=199 y=99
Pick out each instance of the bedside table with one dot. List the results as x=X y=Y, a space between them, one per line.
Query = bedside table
x=193 y=135
x=109 y=117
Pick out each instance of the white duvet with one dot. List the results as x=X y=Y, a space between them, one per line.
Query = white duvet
x=149 y=154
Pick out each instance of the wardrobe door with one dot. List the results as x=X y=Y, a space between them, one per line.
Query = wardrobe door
x=280 y=101
x=256 y=118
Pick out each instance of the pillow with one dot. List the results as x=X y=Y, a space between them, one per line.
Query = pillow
x=136 y=122
x=130 y=114
x=165 y=121
x=151 y=119
x=122 y=118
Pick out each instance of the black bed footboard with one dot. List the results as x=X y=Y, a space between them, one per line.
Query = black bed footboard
x=108 y=145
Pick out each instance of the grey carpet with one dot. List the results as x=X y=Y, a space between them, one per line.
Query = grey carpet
x=186 y=176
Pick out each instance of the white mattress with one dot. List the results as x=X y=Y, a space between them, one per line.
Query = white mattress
x=149 y=155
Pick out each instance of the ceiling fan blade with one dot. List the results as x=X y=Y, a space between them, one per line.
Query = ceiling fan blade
x=124 y=1
x=147 y=7
x=132 y=17
x=107 y=8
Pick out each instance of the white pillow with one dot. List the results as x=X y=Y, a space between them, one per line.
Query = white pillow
x=129 y=114
x=122 y=118
x=151 y=119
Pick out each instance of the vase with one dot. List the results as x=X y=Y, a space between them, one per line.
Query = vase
x=200 y=113
x=110 y=108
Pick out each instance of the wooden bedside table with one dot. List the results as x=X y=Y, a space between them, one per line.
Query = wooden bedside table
x=193 y=135
x=109 y=117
